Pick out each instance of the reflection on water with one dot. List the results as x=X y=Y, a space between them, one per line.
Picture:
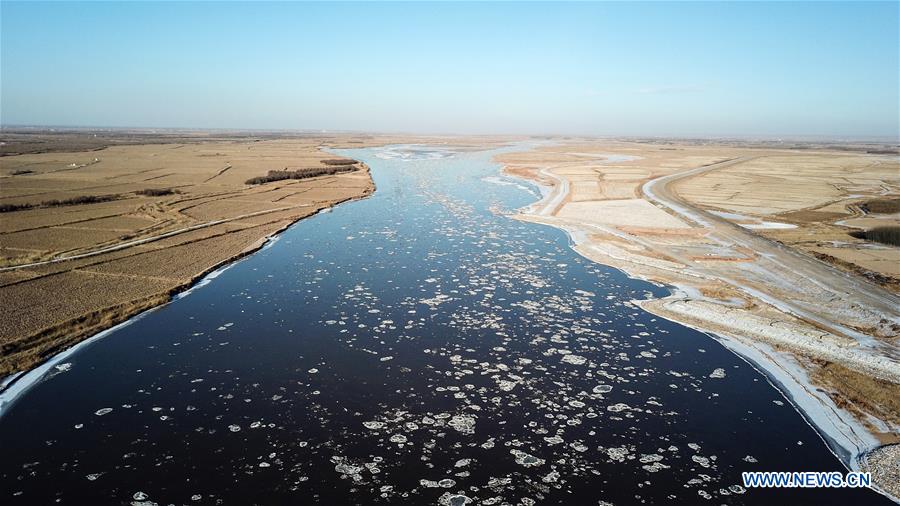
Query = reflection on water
x=414 y=347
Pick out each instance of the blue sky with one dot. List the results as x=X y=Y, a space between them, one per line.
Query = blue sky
x=681 y=69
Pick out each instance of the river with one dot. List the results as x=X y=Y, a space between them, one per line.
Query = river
x=415 y=347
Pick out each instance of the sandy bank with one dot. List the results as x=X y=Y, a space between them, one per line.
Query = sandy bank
x=789 y=315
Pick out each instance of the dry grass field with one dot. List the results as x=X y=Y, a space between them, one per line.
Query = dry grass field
x=176 y=207
x=819 y=197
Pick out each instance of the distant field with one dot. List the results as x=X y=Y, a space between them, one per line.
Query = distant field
x=823 y=195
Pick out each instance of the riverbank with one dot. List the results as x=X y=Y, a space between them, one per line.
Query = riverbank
x=418 y=325
x=837 y=365
x=71 y=272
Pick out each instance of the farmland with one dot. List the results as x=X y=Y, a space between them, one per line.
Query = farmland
x=95 y=229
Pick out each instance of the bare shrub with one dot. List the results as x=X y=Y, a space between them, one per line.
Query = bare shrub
x=156 y=192
x=885 y=235
x=280 y=175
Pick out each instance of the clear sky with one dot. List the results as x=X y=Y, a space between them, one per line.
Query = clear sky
x=682 y=69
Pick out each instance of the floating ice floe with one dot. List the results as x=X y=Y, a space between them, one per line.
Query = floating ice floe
x=617 y=454
x=463 y=423
x=525 y=459
x=703 y=461
x=619 y=406
x=574 y=359
x=506 y=385
x=448 y=499
x=554 y=440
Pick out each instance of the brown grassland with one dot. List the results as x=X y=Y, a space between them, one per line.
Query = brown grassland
x=860 y=393
x=97 y=229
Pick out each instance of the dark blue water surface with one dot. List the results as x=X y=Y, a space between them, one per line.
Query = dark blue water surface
x=416 y=347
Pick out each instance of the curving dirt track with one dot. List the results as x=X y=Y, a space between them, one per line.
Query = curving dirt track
x=789 y=280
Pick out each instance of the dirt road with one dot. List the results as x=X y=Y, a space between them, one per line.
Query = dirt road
x=146 y=240
x=787 y=279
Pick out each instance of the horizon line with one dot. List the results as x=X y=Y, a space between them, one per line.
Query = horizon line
x=881 y=138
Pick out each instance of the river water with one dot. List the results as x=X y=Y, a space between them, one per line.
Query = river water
x=415 y=347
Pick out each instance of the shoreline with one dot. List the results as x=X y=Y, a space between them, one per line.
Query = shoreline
x=74 y=270
x=18 y=383
x=844 y=435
